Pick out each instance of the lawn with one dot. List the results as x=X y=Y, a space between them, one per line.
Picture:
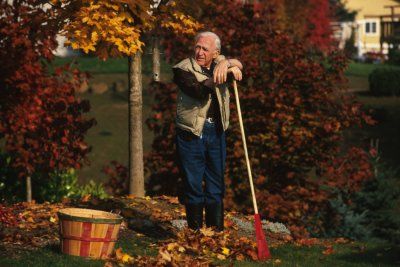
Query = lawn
x=352 y=254
x=109 y=137
x=386 y=111
x=364 y=69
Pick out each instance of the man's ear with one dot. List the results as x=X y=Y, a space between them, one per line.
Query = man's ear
x=216 y=54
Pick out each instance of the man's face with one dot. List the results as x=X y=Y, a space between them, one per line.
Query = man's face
x=205 y=51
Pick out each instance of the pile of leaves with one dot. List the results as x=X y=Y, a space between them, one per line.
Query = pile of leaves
x=33 y=225
x=196 y=248
x=36 y=225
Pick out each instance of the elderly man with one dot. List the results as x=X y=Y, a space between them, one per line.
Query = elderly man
x=202 y=119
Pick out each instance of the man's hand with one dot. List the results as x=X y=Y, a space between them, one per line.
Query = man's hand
x=237 y=73
x=221 y=71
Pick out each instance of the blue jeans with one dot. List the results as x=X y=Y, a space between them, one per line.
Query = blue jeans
x=202 y=158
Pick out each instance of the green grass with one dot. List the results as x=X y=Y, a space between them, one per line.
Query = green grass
x=355 y=254
x=364 y=69
x=111 y=65
x=387 y=129
x=109 y=137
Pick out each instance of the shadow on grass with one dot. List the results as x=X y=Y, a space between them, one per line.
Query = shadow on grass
x=377 y=256
x=47 y=256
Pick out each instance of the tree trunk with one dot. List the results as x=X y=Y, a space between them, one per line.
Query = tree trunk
x=136 y=174
x=156 y=60
x=28 y=189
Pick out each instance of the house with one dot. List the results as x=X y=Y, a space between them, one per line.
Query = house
x=375 y=24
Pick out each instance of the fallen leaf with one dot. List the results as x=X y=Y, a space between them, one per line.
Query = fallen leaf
x=221 y=257
x=240 y=257
x=86 y=198
x=207 y=232
x=127 y=258
x=165 y=255
x=328 y=250
x=225 y=251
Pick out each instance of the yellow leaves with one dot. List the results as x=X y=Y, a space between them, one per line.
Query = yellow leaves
x=94 y=37
x=180 y=23
x=114 y=28
x=225 y=251
x=123 y=257
x=207 y=232
x=53 y=220
x=104 y=27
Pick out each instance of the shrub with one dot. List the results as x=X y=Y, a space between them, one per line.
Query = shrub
x=394 y=56
x=371 y=212
x=385 y=82
x=374 y=57
x=52 y=188
x=118 y=183
x=95 y=190
x=42 y=122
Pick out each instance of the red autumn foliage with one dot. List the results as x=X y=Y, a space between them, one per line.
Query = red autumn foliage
x=319 y=30
x=7 y=217
x=295 y=111
x=41 y=120
x=118 y=183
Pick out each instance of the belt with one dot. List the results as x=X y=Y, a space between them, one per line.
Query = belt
x=210 y=120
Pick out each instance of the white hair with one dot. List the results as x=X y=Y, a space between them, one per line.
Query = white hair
x=204 y=34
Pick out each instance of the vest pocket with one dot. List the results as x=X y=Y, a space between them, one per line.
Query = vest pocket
x=187 y=111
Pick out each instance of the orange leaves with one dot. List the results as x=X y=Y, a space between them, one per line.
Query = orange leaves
x=123 y=257
x=209 y=244
x=181 y=23
x=33 y=225
x=102 y=24
x=115 y=28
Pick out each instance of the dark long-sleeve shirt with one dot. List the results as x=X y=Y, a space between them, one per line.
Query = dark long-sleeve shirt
x=189 y=85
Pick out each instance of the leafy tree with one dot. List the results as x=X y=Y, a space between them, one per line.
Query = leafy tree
x=41 y=120
x=340 y=12
x=116 y=28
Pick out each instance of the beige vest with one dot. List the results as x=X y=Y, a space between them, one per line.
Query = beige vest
x=191 y=113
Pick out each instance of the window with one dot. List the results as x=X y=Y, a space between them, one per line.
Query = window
x=370 y=27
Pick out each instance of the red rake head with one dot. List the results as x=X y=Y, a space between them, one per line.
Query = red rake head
x=262 y=247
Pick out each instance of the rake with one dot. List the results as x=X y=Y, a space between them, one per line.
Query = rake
x=262 y=247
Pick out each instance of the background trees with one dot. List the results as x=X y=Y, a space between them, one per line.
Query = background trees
x=41 y=120
x=295 y=112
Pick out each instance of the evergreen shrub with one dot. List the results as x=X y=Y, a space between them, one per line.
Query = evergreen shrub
x=385 y=82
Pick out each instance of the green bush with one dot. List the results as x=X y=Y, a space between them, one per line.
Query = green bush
x=93 y=189
x=53 y=187
x=65 y=185
x=385 y=82
x=371 y=213
x=394 y=56
x=12 y=189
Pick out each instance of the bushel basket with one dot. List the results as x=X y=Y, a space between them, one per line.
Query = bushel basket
x=88 y=233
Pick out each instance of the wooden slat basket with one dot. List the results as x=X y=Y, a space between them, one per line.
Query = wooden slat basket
x=88 y=233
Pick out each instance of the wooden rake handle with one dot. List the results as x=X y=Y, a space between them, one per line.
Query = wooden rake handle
x=245 y=146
